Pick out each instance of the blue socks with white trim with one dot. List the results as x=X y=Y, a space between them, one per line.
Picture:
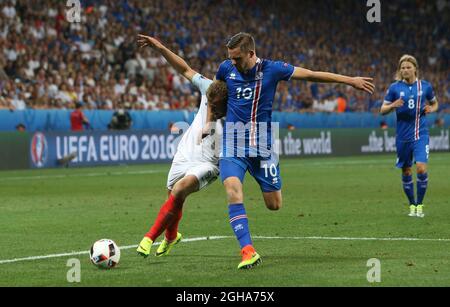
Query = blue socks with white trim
x=408 y=187
x=422 y=184
x=239 y=224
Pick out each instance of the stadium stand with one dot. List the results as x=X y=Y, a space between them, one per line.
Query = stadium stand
x=49 y=63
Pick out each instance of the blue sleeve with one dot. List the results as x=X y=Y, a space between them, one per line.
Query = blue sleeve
x=282 y=71
x=391 y=94
x=430 y=95
x=222 y=72
x=201 y=83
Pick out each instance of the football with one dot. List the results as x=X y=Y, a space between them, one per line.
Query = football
x=104 y=254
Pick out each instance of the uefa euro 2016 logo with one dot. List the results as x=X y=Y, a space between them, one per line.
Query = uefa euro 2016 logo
x=39 y=149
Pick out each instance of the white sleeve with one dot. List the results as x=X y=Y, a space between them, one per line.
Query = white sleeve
x=201 y=83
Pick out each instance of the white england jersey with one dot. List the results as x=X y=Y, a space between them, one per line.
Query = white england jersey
x=189 y=148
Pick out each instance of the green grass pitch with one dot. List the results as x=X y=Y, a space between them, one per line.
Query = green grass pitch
x=330 y=205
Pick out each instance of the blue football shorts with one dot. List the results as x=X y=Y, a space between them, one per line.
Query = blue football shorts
x=265 y=171
x=409 y=153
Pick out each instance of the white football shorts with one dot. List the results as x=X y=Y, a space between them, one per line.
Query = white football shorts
x=206 y=172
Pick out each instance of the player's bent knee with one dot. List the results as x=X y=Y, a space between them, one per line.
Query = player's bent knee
x=421 y=168
x=407 y=171
x=185 y=187
x=233 y=188
x=234 y=196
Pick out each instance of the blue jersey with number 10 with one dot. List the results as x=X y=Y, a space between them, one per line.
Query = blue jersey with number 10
x=411 y=119
x=250 y=99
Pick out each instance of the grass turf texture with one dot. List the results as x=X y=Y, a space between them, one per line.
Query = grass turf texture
x=58 y=211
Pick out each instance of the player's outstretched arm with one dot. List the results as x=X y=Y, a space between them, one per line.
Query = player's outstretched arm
x=360 y=83
x=176 y=61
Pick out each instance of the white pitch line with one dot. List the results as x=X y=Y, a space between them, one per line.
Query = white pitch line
x=87 y=252
x=228 y=237
x=380 y=161
x=305 y=162
x=285 y=163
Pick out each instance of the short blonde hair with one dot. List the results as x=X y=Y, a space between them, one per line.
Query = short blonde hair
x=406 y=58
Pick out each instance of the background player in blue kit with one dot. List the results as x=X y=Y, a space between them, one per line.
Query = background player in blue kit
x=408 y=97
x=252 y=84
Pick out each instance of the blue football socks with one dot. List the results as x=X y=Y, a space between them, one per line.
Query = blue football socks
x=408 y=187
x=239 y=224
x=422 y=184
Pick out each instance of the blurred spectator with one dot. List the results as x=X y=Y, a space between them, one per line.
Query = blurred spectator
x=3 y=75
x=341 y=104
x=21 y=127
x=439 y=123
x=121 y=119
x=384 y=125
x=328 y=105
x=444 y=106
x=78 y=119
x=18 y=102
x=306 y=105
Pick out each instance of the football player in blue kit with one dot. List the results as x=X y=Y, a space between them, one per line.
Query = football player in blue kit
x=408 y=97
x=247 y=141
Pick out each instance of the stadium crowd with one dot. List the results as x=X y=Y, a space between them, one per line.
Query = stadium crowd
x=48 y=62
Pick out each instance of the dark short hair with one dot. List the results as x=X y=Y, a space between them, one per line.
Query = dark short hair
x=243 y=40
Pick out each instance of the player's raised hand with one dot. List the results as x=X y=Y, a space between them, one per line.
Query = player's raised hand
x=148 y=41
x=364 y=84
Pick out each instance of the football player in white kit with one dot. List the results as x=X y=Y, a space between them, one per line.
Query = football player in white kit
x=195 y=164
